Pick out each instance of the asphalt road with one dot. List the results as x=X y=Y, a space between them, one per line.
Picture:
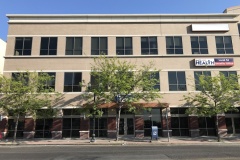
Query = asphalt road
x=181 y=152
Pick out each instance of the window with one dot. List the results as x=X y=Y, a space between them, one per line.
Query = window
x=23 y=77
x=71 y=127
x=23 y=46
x=99 y=46
x=11 y=128
x=149 y=45
x=174 y=45
x=74 y=46
x=155 y=75
x=197 y=74
x=48 y=46
x=124 y=46
x=206 y=126
x=51 y=83
x=152 y=118
x=72 y=82
x=177 y=81
x=224 y=45
x=179 y=122
x=199 y=45
x=43 y=128
x=100 y=127
x=228 y=73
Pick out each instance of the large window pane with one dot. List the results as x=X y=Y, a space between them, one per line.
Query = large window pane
x=224 y=44
x=23 y=46
x=48 y=46
x=149 y=45
x=174 y=45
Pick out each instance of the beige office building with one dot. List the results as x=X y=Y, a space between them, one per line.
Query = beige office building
x=181 y=46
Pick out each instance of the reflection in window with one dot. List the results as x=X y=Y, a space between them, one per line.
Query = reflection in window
x=174 y=45
x=43 y=128
x=99 y=46
x=11 y=128
x=100 y=127
x=73 y=46
x=199 y=45
x=177 y=81
x=206 y=126
x=224 y=45
x=72 y=81
x=48 y=46
x=152 y=117
x=149 y=46
x=23 y=46
x=124 y=46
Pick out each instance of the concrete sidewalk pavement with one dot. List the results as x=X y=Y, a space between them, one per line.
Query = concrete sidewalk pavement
x=203 y=140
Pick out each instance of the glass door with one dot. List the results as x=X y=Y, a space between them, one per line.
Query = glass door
x=126 y=126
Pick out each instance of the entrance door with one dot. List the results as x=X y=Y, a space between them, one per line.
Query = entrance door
x=126 y=126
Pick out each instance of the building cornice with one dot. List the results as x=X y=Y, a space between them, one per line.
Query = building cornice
x=120 y=18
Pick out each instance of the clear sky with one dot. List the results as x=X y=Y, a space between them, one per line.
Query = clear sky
x=108 y=7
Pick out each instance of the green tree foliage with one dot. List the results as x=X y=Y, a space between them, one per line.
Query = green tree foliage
x=122 y=83
x=25 y=93
x=217 y=95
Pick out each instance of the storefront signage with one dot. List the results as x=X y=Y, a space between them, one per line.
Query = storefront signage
x=215 y=62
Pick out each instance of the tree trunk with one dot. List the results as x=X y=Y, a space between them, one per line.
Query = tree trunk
x=15 y=130
x=118 y=121
x=217 y=130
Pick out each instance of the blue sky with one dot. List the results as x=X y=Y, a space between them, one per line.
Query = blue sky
x=108 y=7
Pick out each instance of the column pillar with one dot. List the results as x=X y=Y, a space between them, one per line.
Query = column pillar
x=139 y=126
x=166 y=129
x=84 y=128
x=193 y=126
x=29 y=128
x=222 y=128
x=57 y=128
x=111 y=128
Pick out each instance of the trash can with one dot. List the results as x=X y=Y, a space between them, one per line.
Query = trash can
x=154 y=132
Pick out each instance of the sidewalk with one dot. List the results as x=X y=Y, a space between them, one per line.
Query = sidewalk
x=204 y=140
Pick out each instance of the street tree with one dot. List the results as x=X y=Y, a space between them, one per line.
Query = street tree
x=217 y=94
x=123 y=84
x=25 y=93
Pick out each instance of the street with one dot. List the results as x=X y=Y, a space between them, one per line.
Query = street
x=97 y=152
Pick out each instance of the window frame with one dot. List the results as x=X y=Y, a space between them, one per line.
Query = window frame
x=224 y=49
x=177 y=84
x=72 y=85
x=49 y=51
x=98 y=50
x=199 y=48
x=124 y=49
x=73 y=47
x=174 y=49
x=150 y=49
x=23 y=48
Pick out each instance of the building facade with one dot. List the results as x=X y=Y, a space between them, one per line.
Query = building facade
x=181 y=46
x=2 y=53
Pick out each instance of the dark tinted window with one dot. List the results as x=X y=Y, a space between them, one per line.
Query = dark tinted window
x=74 y=46
x=72 y=81
x=199 y=45
x=224 y=45
x=177 y=81
x=174 y=45
x=99 y=46
x=23 y=46
x=149 y=46
x=48 y=46
x=124 y=46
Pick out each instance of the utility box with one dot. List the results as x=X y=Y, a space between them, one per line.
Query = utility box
x=154 y=132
